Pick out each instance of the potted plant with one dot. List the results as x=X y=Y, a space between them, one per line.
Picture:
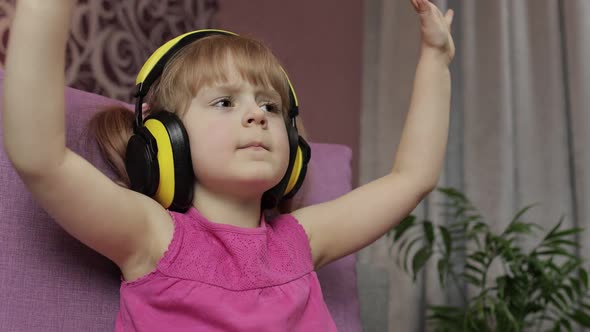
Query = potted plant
x=546 y=286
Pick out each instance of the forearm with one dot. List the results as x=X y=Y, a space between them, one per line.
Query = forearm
x=33 y=116
x=423 y=142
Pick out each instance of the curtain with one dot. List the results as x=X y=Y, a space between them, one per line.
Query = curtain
x=520 y=124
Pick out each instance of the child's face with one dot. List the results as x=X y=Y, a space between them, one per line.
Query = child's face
x=238 y=139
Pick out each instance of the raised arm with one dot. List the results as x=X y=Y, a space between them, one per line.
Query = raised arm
x=355 y=220
x=114 y=221
x=33 y=120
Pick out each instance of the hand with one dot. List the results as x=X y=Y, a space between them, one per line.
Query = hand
x=435 y=28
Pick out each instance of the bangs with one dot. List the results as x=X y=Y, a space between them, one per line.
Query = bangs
x=207 y=61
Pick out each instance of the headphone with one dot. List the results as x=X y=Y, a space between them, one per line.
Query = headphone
x=158 y=160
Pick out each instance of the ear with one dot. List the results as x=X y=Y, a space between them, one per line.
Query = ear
x=145 y=107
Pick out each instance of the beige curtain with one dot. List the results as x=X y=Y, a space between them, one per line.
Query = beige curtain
x=520 y=126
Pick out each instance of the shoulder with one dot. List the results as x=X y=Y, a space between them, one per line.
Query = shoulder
x=289 y=225
x=309 y=223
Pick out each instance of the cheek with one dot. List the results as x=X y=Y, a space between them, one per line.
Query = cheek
x=214 y=133
x=207 y=144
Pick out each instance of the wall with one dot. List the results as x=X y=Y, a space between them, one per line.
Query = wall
x=318 y=42
x=320 y=46
x=110 y=39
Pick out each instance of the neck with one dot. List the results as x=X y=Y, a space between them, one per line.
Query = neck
x=222 y=208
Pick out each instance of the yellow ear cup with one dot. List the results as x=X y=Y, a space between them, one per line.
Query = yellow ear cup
x=165 y=193
x=296 y=171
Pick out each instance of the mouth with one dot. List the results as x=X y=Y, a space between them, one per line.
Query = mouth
x=255 y=146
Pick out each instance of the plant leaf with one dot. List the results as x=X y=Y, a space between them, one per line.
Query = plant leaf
x=519 y=214
x=471 y=279
x=447 y=239
x=408 y=250
x=561 y=298
x=403 y=226
x=429 y=232
x=447 y=319
x=553 y=252
x=568 y=290
x=555 y=242
x=398 y=257
x=462 y=223
x=567 y=324
x=453 y=194
x=585 y=305
x=581 y=318
x=583 y=277
x=554 y=229
x=479 y=257
x=420 y=259
x=557 y=304
x=576 y=285
x=508 y=316
x=442 y=267
x=473 y=268
x=565 y=232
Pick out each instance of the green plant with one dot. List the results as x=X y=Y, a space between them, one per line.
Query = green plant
x=544 y=286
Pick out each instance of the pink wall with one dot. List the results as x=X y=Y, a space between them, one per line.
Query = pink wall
x=320 y=46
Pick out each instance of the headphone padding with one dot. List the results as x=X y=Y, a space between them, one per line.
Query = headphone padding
x=182 y=164
x=299 y=169
x=141 y=163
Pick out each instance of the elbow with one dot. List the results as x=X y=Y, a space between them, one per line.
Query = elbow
x=430 y=186
x=419 y=185
x=425 y=187
x=428 y=183
x=426 y=190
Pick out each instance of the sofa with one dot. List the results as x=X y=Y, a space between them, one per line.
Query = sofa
x=49 y=281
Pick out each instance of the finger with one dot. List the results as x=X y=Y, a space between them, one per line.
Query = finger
x=423 y=6
x=449 y=16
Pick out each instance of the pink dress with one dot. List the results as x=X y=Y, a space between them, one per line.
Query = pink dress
x=217 y=277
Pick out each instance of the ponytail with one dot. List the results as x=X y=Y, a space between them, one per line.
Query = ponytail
x=112 y=127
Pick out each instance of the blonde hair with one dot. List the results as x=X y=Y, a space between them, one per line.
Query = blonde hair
x=199 y=64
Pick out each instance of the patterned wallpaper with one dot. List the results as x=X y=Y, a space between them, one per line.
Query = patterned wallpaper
x=110 y=39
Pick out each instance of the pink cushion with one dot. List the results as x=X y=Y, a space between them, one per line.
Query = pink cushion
x=51 y=282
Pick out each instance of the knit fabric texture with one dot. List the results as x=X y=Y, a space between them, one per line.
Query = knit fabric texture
x=218 y=277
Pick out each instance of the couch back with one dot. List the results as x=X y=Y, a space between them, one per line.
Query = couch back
x=49 y=281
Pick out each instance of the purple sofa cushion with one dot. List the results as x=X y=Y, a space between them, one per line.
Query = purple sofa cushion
x=49 y=281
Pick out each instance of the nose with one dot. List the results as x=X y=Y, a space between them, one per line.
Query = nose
x=254 y=116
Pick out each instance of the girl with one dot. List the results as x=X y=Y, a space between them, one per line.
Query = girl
x=214 y=263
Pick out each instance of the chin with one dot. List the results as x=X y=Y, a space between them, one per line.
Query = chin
x=258 y=184
x=259 y=173
x=247 y=178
